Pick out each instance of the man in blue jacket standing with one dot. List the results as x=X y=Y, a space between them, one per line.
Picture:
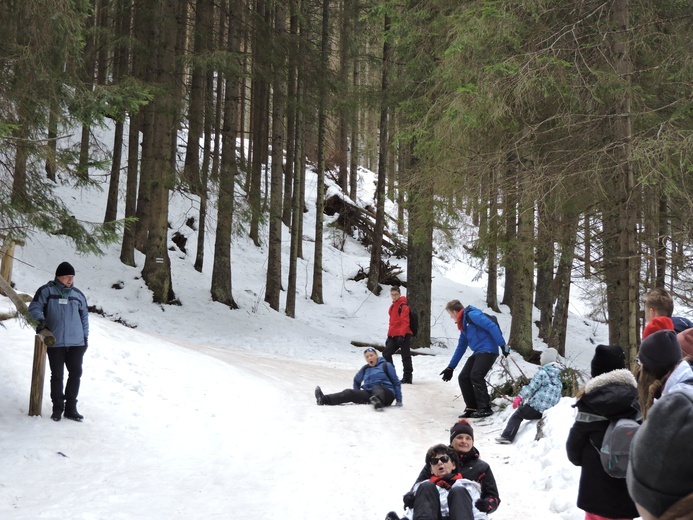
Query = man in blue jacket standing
x=483 y=337
x=62 y=309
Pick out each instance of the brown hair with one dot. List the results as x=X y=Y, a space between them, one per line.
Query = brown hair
x=659 y=300
x=681 y=510
x=395 y=288
x=442 y=449
x=649 y=388
x=454 y=305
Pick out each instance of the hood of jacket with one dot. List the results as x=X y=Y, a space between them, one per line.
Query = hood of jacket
x=613 y=395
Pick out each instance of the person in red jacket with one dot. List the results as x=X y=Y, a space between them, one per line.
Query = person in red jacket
x=399 y=333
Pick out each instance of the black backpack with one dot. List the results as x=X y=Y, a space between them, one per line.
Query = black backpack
x=413 y=319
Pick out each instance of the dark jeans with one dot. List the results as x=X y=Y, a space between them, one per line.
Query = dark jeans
x=360 y=396
x=395 y=343
x=472 y=380
x=59 y=358
x=427 y=503
x=523 y=413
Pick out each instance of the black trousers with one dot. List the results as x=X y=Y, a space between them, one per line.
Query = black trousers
x=360 y=396
x=59 y=358
x=472 y=380
x=523 y=412
x=427 y=503
x=403 y=343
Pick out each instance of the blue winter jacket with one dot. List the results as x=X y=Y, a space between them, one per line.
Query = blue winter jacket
x=64 y=312
x=478 y=333
x=382 y=374
x=544 y=390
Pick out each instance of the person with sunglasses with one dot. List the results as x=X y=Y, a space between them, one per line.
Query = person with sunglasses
x=446 y=494
x=376 y=383
x=471 y=466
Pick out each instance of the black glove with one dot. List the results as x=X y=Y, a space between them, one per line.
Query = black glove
x=41 y=325
x=408 y=500
x=486 y=505
x=447 y=374
x=506 y=350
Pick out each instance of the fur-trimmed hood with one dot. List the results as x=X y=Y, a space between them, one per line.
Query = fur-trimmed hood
x=613 y=395
x=622 y=376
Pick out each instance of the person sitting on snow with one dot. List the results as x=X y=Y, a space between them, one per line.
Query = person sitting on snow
x=542 y=392
x=376 y=383
x=446 y=494
x=471 y=466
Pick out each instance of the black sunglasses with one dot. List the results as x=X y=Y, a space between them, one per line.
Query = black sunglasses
x=442 y=458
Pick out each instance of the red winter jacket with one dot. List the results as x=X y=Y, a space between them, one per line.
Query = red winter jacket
x=399 y=318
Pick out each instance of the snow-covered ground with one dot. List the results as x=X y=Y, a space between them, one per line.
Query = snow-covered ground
x=202 y=412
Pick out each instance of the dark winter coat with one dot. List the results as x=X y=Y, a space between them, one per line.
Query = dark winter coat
x=613 y=395
x=399 y=318
x=64 y=311
x=382 y=374
x=472 y=468
x=477 y=332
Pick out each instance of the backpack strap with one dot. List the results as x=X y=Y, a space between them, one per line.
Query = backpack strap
x=589 y=417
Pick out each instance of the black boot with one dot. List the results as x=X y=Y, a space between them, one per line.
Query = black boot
x=468 y=412
x=392 y=516
x=71 y=411
x=57 y=411
x=406 y=380
x=483 y=412
x=376 y=402
x=319 y=396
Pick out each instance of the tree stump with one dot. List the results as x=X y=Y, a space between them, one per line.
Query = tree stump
x=38 y=376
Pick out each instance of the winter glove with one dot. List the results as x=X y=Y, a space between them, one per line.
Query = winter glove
x=40 y=326
x=408 y=500
x=517 y=402
x=486 y=505
x=506 y=350
x=447 y=374
x=86 y=342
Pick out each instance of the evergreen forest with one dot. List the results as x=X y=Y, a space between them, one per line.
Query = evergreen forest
x=561 y=129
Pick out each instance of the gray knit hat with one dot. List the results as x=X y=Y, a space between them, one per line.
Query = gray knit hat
x=660 y=472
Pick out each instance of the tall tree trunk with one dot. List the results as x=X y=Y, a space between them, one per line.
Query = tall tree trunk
x=316 y=292
x=88 y=66
x=521 y=328
x=420 y=249
x=343 y=123
x=492 y=249
x=510 y=190
x=52 y=144
x=221 y=287
x=157 y=265
x=622 y=263
x=274 y=246
x=543 y=299
x=291 y=115
x=376 y=246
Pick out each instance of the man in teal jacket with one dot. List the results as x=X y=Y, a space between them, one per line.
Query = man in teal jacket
x=62 y=308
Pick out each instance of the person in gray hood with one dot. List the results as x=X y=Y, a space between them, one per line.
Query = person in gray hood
x=62 y=308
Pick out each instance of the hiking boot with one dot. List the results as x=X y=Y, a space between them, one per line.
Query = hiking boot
x=57 y=412
x=468 y=412
x=72 y=413
x=319 y=396
x=376 y=402
x=406 y=380
x=484 y=412
x=503 y=440
x=392 y=516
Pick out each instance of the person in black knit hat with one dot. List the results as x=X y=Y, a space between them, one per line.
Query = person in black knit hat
x=610 y=394
x=62 y=308
x=661 y=368
x=660 y=473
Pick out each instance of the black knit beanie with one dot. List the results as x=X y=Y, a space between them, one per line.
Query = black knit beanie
x=461 y=426
x=607 y=358
x=65 y=269
x=660 y=352
x=660 y=472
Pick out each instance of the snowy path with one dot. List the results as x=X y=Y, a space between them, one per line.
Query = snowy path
x=196 y=432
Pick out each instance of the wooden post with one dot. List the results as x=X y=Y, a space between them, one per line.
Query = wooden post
x=38 y=374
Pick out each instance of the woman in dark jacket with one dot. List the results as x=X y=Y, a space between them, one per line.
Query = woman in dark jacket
x=611 y=393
